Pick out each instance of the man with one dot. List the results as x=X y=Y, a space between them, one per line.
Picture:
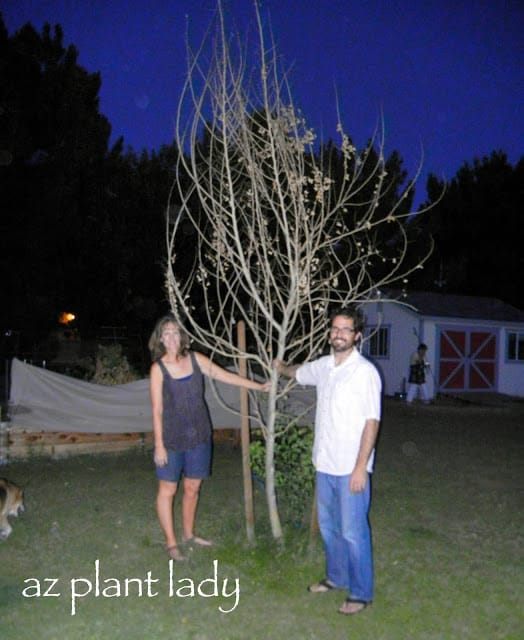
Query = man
x=417 y=375
x=346 y=428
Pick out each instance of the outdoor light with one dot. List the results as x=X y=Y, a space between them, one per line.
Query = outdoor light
x=66 y=317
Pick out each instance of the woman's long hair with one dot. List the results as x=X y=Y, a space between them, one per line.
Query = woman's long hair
x=155 y=344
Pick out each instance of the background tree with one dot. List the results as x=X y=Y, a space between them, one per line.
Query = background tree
x=82 y=225
x=478 y=231
x=54 y=141
x=281 y=233
x=131 y=236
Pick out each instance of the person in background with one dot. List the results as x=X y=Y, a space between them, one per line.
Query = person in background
x=417 y=375
x=346 y=429
x=181 y=425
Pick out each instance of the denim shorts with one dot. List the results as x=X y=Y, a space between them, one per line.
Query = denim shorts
x=194 y=463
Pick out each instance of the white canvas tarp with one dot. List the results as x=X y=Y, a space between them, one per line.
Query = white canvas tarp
x=43 y=400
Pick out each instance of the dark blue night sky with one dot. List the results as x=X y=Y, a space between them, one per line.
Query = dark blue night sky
x=447 y=75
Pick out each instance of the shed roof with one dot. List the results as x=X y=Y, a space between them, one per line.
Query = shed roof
x=450 y=305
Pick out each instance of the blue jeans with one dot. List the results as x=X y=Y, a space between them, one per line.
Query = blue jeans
x=344 y=526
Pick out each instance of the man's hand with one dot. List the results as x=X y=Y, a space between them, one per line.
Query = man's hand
x=358 y=480
x=278 y=364
x=284 y=369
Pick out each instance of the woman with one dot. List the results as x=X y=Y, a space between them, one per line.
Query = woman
x=181 y=425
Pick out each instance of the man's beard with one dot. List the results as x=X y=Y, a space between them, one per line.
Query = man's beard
x=339 y=346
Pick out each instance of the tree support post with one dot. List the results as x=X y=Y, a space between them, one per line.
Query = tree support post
x=245 y=439
x=313 y=525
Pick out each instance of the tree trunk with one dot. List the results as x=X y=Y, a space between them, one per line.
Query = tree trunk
x=274 y=518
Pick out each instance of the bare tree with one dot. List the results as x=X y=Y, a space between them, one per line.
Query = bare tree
x=276 y=238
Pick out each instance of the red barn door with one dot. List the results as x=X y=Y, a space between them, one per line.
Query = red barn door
x=467 y=360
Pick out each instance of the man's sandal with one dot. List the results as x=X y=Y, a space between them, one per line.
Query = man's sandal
x=321 y=587
x=175 y=554
x=351 y=607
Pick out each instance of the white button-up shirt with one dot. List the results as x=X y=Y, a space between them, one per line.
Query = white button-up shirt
x=347 y=395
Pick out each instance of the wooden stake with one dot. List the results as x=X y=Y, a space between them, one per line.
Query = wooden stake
x=244 y=438
x=313 y=525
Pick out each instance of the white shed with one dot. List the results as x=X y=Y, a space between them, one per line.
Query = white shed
x=474 y=343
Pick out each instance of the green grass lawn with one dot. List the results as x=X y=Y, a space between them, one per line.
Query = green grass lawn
x=447 y=523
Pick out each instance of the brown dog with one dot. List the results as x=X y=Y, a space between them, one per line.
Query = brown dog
x=11 y=504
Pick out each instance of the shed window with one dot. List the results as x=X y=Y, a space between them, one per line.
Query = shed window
x=515 y=350
x=378 y=342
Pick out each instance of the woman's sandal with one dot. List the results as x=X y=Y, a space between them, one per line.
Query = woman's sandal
x=175 y=554
x=198 y=542
x=351 y=607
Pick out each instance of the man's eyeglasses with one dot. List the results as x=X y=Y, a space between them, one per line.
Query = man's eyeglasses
x=345 y=331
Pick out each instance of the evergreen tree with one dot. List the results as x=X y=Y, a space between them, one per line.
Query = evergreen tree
x=54 y=141
x=478 y=231
x=82 y=226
